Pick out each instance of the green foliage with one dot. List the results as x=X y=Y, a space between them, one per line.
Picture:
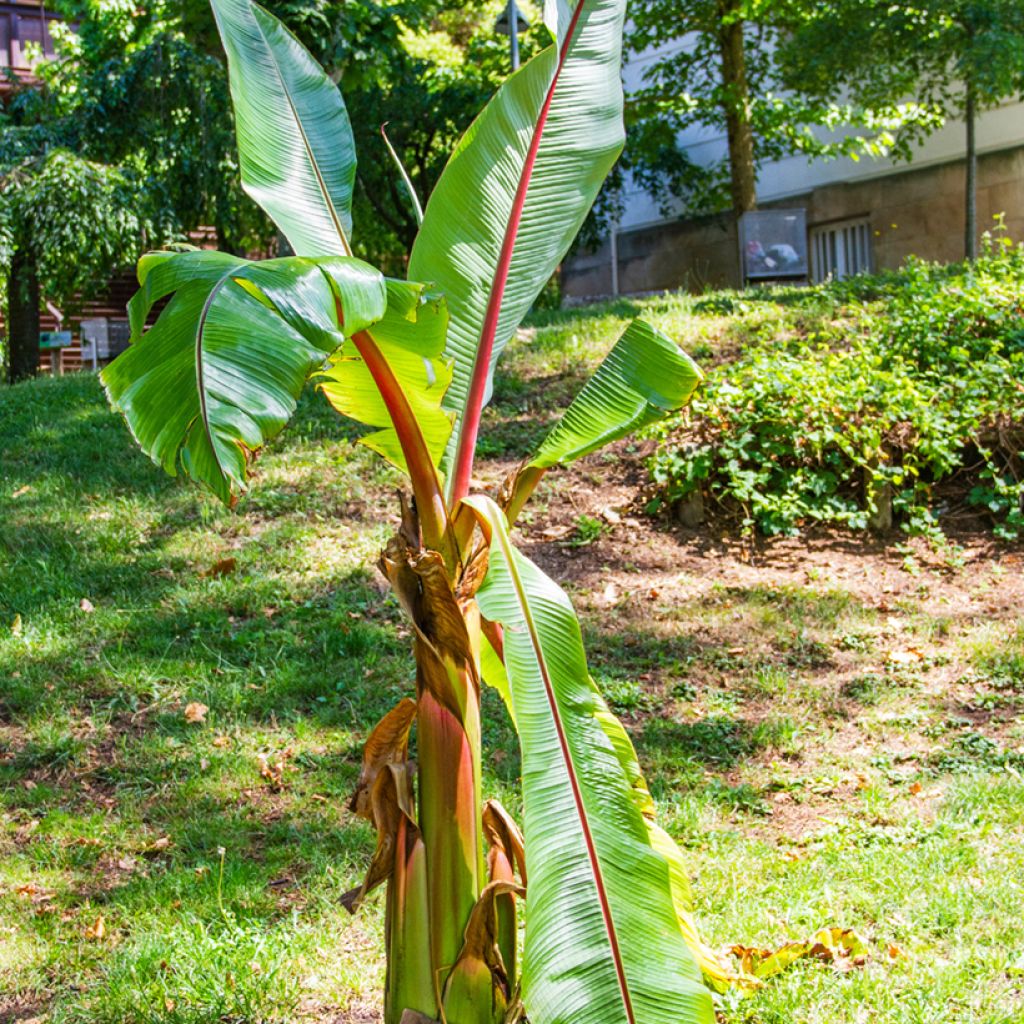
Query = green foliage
x=188 y=387
x=556 y=125
x=874 y=49
x=910 y=381
x=64 y=204
x=219 y=374
x=691 y=85
x=606 y=871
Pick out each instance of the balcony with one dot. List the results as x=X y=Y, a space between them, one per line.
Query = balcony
x=24 y=36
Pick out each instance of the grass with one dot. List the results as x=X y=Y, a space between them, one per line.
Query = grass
x=156 y=869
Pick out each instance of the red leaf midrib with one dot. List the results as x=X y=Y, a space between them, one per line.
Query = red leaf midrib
x=473 y=408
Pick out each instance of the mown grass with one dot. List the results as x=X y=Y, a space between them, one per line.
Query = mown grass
x=154 y=869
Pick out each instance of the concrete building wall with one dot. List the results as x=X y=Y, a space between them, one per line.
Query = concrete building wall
x=916 y=211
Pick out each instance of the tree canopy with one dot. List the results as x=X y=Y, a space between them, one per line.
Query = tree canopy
x=739 y=71
x=136 y=104
x=957 y=57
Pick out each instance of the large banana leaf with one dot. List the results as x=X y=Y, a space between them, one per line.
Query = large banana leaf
x=219 y=372
x=643 y=378
x=517 y=188
x=411 y=337
x=603 y=939
x=298 y=157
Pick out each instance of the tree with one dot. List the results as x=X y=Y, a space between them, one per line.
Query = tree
x=958 y=57
x=149 y=86
x=731 y=71
x=86 y=185
x=609 y=936
x=64 y=223
x=143 y=93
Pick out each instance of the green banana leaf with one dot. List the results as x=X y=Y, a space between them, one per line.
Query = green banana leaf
x=717 y=974
x=503 y=213
x=643 y=378
x=219 y=372
x=603 y=941
x=298 y=157
x=411 y=337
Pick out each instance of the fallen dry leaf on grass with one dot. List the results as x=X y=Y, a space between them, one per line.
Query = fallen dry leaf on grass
x=22 y=490
x=86 y=605
x=908 y=657
x=16 y=626
x=195 y=712
x=34 y=893
x=841 y=947
x=96 y=930
x=272 y=767
x=222 y=567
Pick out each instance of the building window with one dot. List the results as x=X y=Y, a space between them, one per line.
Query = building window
x=841 y=250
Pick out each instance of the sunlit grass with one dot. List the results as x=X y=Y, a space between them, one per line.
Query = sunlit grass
x=799 y=775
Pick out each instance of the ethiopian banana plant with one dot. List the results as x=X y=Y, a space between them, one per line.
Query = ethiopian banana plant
x=601 y=891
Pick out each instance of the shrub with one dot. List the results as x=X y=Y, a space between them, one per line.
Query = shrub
x=899 y=383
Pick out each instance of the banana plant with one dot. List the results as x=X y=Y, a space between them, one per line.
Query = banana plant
x=583 y=914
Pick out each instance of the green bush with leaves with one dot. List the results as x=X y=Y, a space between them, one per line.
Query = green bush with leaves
x=901 y=391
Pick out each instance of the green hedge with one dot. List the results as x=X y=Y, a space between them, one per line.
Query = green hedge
x=903 y=389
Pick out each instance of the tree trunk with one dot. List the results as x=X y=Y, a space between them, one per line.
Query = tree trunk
x=971 y=176
x=736 y=105
x=23 y=313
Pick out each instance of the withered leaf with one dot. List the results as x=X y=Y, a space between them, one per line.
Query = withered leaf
x=391 y=811
x=504 y=840
x=387 y=744
x=222 y=567
x=195 y=712
x=841 y=947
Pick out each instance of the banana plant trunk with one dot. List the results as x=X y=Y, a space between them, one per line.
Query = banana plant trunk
x=439 y=878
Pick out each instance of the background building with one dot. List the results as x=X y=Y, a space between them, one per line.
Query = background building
x=861 y=215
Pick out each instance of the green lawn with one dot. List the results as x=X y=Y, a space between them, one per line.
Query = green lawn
x=833 y=732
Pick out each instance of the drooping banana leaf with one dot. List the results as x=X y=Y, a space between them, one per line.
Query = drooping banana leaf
x=644 y=377
x=517 y=188
x=298 y=158
x=603 y=940
x=219 y=372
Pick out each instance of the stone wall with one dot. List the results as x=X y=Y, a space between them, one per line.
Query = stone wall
x=912 y=212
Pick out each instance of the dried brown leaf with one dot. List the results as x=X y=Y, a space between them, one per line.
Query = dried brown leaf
x=195 y=712
x=222 y=567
